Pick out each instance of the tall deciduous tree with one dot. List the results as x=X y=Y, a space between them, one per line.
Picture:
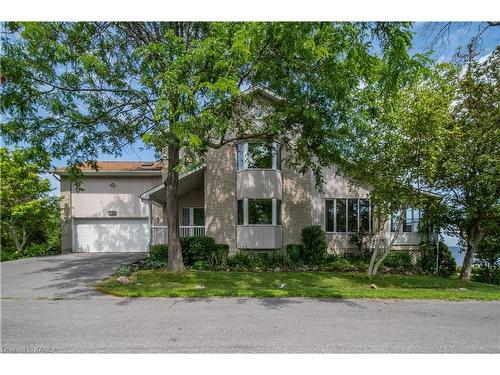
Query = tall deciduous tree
x=81 y=89
x=395 y=152
x=27 y=209
x=468 y=167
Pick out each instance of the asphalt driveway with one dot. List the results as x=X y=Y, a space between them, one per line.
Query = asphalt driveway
x=49 y=305
x=62 y=276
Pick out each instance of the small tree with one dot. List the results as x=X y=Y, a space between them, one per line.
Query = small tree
x=29 y=214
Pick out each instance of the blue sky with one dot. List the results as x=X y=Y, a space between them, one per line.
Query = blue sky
x=457 y=35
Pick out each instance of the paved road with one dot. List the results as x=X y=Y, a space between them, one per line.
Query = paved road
x=52 y=307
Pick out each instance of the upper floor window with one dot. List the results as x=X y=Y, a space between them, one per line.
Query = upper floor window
x=259 y=155
x=410 y=220
x=348 y=215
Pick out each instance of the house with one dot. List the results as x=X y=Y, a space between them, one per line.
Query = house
x=245 y=195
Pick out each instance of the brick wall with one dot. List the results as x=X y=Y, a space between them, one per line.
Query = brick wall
x=220 y=195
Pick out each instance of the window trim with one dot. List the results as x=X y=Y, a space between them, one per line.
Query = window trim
x=277 y=148
x=274 y=212
x=191 y=215
x=358 y=216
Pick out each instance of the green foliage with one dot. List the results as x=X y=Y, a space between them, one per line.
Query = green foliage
x=198 y=252
x=124 y=270
x=297 y=284
x=427 y=261
x=158 y=253
x=401 y=261
x=245 y=261
x=197 y=249
x=30 y=216
x=295 y=252
x=314 y=241
x=278 y=259
x=487 y=261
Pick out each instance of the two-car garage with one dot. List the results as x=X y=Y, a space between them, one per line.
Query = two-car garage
x=110 y=235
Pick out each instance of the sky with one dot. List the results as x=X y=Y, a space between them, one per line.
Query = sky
x=443 y=39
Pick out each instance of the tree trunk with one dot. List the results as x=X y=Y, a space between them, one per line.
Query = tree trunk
x=473 y=238
x=175 y=262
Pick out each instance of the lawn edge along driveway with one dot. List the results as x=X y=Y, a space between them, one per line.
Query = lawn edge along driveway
x=160 y=283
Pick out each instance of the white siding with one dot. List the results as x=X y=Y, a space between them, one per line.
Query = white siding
x=254 y=183
x=112 y=193
x=259 y=236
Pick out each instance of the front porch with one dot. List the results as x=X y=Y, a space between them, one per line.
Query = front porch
x=159 y=233
x=191 y=205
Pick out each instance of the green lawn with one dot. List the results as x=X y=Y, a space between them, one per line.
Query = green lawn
x=159 y=283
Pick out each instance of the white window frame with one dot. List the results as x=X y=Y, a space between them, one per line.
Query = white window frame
x=274 y=163
x=274 y=212
x=191 y=215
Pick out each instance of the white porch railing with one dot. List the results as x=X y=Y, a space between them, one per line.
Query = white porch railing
x=159 y=233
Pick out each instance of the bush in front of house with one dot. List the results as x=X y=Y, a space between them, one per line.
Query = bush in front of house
x=197 y=252
x=314 y=241
x=246 y=261
x=278 y=259
x=426 y=264
x=295 y=253
x=158 y=253
x=399 y=261
x=196 y=249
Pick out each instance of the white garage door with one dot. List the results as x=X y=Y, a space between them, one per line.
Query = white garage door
x=111 y=235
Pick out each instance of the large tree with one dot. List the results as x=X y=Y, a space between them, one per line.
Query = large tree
x=81 y=89
x=468 y=166
x=29 y=214
x=393 y=154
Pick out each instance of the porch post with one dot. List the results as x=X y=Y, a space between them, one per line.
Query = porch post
x=150 y=221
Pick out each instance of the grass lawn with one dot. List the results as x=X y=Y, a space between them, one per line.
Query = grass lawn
x=159 y=283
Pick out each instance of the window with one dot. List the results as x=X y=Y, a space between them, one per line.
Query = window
x=193 y=216
x=254 y=155
x=364 y=215
x=347 y=215
x=259 y=156
x=259 y=212
x=341 y=215
x=199 y=217
x=330 y=214
x=352 y=215
x=240 y=212
x=411 y=220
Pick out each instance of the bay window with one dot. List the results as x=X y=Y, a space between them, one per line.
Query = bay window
x=347 y=215
x=258 y=155
x=259 y=211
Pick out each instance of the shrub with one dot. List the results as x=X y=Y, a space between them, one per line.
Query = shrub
x=158 y=253
x=487 y=260
x=400 y=261
x=295 y=252
x=124 y=270
x=313 y=239
x=337 y=263
x=197 y=249
x=218 y=259
x=427 y=262
x=245 y=261
x=278 y=259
